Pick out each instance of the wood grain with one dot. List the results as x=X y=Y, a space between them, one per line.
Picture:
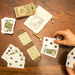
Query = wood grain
x=64 y=12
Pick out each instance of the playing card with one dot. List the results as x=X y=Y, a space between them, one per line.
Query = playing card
x=10 y=49
x=14 y=57
x=16 y=61
x=7 y=25
x=49 y=47
x=38 y=20
x=71 y=58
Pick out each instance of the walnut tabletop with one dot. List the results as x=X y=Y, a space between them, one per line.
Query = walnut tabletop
x=64 y=12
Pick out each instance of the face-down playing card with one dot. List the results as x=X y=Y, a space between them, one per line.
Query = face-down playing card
x=49 y=47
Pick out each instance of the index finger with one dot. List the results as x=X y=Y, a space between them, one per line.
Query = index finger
x=58 y=33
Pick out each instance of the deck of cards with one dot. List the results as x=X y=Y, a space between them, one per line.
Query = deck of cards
x=25 y=10
x=7 y=25
x=49 y=47
x=14 y=57
x=70 y=58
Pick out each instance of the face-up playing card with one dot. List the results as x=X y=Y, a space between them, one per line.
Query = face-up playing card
x=49 y=47
x=38 y=20
x=16 y=61
x=14 y=57
x=70 y=58
x=10 y=49
x=7 y=25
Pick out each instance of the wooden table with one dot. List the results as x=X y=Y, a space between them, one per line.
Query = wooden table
x=64 y=12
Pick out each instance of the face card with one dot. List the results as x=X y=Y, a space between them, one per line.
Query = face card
x=8 y=25
x=38 y=20
x=49 y=47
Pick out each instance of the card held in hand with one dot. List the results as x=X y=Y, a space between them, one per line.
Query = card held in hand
x=49 y=47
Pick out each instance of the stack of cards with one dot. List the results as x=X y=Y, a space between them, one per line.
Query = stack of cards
x=14 y=57
x=38 y=20
x=7 y=25
x=49 y=47
x=25 y=10
x=70 y=58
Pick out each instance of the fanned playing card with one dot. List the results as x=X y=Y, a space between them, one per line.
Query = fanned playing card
x=14 y=57
x=38 y=20
x=70 y=58
x=49 y=47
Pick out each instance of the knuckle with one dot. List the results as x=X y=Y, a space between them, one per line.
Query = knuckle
x=66 y=31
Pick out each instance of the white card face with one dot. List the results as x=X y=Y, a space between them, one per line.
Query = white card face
x=71 y=56
x=72 y=51
x=10 y=49
x=70 y=61
x=49 y=47
x=38 y=20
x=16 y=61
x=8 y=25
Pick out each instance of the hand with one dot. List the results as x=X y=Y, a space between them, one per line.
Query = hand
x=66 y=37
x=71 y=71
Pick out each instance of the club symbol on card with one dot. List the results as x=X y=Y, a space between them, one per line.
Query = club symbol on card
x=21 y=59
x=51 y=43
x=20 y=64
x=8 y=50
x=68 y=63
x=15 y=61
x=72 y=53
x=74 y=57
x=10 y=63
x=11 y=58
x=46 y=39
x=45 y=45
x=10 y=47
x=55 y=46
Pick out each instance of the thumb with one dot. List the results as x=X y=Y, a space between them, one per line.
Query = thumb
x=58 y=41
x=74 y=64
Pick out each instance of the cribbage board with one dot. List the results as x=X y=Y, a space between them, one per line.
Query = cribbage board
x=29 y=46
